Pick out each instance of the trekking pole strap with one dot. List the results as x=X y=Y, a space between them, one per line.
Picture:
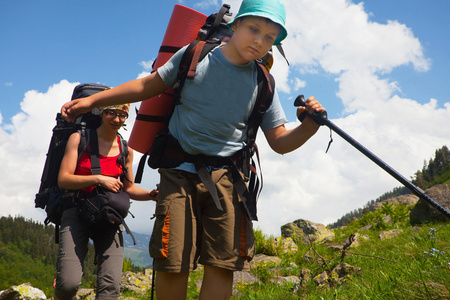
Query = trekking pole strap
x=127 y=230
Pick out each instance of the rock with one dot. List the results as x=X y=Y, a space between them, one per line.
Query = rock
x=135 y=282
x=262 y=258
x=299 y=287
x=322 y=280
x=305 y=277
x=423 y=212
x=340 y=273
x=286 y=244
x=365 y=228
x=85 y=294
x=280 y=280
x=244 y=277
x=358 y=239
x=241 y=279
x=22 y=292
x=384 y=235
x=351 y=242
x=307 y=231
x=407 y=200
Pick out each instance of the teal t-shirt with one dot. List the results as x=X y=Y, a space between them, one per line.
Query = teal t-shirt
x=216 y=104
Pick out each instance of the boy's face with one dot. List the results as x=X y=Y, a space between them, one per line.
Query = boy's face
x=253 y=37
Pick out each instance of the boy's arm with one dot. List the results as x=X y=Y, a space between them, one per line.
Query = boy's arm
x=283 y=141
x=132 y=91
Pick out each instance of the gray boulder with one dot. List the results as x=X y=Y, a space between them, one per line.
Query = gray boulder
x=307 y=231
x=423 y=212
x=22 y=292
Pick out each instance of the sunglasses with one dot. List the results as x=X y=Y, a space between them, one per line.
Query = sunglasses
x=113 y=114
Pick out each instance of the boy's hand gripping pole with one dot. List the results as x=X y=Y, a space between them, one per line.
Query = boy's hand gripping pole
x=322 y=119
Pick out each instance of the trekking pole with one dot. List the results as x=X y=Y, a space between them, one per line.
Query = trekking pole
x=321 y=118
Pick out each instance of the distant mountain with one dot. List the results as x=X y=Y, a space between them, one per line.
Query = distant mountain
x=142 y=241
x=138 y=253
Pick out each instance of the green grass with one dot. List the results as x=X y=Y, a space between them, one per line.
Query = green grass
x=412 y=265
x=403 y=267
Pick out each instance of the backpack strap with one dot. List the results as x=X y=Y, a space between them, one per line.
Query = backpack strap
x=92 y=140
x=122 y=159
x=215 y=27
x=194 y=53
x=244 y=159
x=95 y=155
x=266 y=86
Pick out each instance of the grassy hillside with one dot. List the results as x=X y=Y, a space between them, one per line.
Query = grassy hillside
x=414 y=264
x=139 y=257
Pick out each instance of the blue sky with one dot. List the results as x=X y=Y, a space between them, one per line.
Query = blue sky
x=381 y=69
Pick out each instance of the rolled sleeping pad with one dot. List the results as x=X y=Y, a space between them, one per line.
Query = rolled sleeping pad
x=153 y=114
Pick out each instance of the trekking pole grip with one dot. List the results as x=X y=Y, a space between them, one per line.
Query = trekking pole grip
x=320 y=117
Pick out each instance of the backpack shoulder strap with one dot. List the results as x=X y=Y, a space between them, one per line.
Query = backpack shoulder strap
x=92 y=140
x=123 y=146
x=84 y=140
x=251 y=191
x=194 y=53
x=266 y=87
x=95 y=155
x=122 y=159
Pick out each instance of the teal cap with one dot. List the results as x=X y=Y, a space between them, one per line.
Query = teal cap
x=269 y=9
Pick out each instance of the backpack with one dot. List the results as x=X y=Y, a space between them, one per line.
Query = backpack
x=211 y=34
x=103 y=209
x=50 y=197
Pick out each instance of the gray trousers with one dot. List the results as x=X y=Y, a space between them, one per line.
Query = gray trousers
x=73 y=246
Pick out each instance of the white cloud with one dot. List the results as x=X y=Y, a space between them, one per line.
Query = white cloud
x=143 y=74
x=298 y=84
x=338 y=37
x=204 y=4
x=23 y=148
x=147 y=65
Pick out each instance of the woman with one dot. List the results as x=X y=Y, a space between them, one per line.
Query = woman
x=76 y=174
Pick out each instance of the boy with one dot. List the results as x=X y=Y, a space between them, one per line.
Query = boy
x=189 y=226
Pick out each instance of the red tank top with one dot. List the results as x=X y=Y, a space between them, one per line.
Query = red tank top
x=108 y=164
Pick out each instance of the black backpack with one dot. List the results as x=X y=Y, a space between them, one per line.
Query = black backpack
x=103 y=209
x=50 y=197
x=212 y=33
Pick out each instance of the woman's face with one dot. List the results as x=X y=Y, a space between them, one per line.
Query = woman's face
x=114 y=118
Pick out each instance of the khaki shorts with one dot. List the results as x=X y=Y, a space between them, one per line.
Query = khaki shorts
x=189 y=228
